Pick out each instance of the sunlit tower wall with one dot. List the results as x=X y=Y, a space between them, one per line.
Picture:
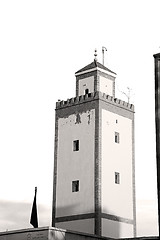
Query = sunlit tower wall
x=94 y=169
x=157 y=115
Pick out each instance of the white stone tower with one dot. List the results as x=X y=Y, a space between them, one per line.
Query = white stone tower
x=94 y=169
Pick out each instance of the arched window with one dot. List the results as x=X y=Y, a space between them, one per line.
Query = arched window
x=86 y=91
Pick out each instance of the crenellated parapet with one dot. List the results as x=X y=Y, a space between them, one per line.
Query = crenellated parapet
x=94 y=96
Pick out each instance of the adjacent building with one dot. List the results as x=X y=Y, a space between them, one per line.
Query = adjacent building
x=50 y=233
x=157 y=115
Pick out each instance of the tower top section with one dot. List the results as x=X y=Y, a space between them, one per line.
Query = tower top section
x=95 y=77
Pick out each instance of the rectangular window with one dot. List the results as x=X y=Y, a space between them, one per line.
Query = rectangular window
x=76 y=145
x=116 y=137
x=117 y=178
x=75 y=186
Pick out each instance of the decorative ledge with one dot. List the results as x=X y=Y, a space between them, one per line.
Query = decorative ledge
x=94 y=96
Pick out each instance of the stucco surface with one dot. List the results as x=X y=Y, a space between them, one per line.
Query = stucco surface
x=115 y=229
x=75 y=165
x=85 y=225
x=106 y=85
x=117 y=199
x=86 y=83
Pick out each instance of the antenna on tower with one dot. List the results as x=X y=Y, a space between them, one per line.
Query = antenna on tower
x=103 y=48
x=128 y=94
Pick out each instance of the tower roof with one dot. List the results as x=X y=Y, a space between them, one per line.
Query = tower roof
x=92 y=65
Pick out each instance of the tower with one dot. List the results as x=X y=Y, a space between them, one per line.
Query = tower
x=94 y=169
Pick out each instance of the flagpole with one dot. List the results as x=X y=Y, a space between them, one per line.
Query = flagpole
x=34 y=217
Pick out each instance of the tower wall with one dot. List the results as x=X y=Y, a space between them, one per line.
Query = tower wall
x=82 y=83
x=74 y=210
x=118 y=198
x=86 y=83
x=106 y=85
x=82 y=225
x=116 y=229
x=75 y=165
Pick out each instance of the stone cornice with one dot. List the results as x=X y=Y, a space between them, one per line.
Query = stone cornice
x=94 y=96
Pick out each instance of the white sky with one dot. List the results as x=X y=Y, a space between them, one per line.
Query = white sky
x=42 y=45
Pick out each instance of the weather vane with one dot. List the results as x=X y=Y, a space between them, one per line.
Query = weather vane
x=103 y=48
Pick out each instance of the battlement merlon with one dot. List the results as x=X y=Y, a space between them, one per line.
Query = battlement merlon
x=94 y=96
